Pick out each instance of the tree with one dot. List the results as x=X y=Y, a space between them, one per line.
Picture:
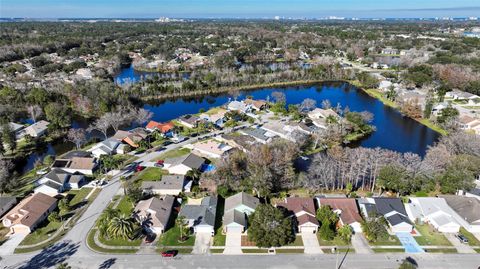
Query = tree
x=141 y=116
x=58 y=115
x=447 y=114
x=54 y=217
x=374 y=228
x=345 y=232
x=307 y=105
x=327 y=230
x=408 y=263
x=5 y=167
x=182 y=225
x=269 y=227
x=64 y=205
x=77 y=136
x=391 y=94
x=35 y=112
x=63 y=265
x=325 y=213
x=121 y=227
x=460 y=174
x=279 y=97
x=8 y=137
x=102 y=124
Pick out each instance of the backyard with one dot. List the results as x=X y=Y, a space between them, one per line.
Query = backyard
x=173 y=153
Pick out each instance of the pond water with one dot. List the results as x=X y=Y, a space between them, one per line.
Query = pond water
x=394 y=131
x=130 y=75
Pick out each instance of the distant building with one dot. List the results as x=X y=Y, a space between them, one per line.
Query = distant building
x=106 y=147
x=210 y=148
x=189 y=121
x=346 y=209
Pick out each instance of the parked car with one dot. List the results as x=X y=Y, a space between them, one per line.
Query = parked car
x=169 y=253
x=139 y=168
x=462 y=238
x=159 y=163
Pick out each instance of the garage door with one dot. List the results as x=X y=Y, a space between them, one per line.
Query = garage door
x=307 y=229
x=234 y=229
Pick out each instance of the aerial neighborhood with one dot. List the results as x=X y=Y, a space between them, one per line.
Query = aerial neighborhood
x=221 y=138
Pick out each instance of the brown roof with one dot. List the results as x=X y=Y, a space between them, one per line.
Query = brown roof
x=297 y=205
x=120 y=135
x=82 y=163
x=256 y=103
x=30 y=210
x=348 y=207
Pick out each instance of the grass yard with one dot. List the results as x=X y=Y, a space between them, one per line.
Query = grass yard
x=3 y=231
x=219 y=238
x=151 y=174
x=297 y=243
x=120 y=242
x=335 y=242
x=289 y=251
x=79 y=196
x=170 y=238
x=392 y=240
x=379 y=95
x=432 y=126
x=386 y=250
x=95 y=247
x=430 y=237
x=42 y=233
x=472 y=240
x=441 y=250
x=217 y=250
x=125 y=206
x=255 y=250
x=173 y=153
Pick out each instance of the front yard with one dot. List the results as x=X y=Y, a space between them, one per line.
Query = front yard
x=391 y=240
x=171 y=236
x=173 y=153
x=430 y=237
x=219 y=238
x=337 y=241
x=151 y=174
x=42 y=233
x=472 y=240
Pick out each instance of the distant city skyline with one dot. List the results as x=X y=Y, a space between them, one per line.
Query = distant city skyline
x=237 y=8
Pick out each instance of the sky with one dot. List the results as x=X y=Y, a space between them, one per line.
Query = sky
x=237 y=8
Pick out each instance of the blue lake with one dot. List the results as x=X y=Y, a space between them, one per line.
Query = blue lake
x=130 y=75
x=394 y=131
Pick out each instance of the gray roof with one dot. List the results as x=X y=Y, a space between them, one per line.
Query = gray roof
x=75 y=153
x=234 y=216
x=110 y=143
x=385 y=206
x=76 y=178
x=38 y=127
x=241 y=198
x=157 y=209
x=58 y=176
x=203 y=213
x=191 y=160
x=256 y=133
x=168 y=182
x=467 y=207
x=6 y=203
x=191 y=119
x=53 y=185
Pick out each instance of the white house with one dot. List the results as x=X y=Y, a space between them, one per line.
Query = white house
x=170 y=184
x=37 y=129
x=181 y=165
x=209 y=148
x=106 y=147
x=201 y=218
x=53 y=183
x=434 y=211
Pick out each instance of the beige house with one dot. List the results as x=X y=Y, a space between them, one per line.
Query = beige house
x=30 y=212
x=156 y=212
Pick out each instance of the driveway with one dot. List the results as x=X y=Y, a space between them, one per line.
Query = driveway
x=233 y=243
x=310 y=242
x=13 y=241
x=202 y=243
x=461 y=248
x=409 y=243
x=360 y=244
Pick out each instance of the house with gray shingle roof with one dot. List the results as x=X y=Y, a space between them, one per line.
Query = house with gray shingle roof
x=181 y=165
x=201 y=218
x=170 y=184
x=237 y=209
x=256 y=133
x=6 y=202
x=53 y=183
x=106 y=147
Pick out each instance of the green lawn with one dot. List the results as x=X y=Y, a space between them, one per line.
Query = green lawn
x=170 y=238
x=392 y=240
x=383 y=250
x=151 y=174
x=255 y=250
x=173 y=153
x=441 y=250
x=379 y=95
x=217 y=250
x=297 y=243
x=472 y=240
x=79 y=196
x=95 y=247
x=289 y=251
x=335 y=242
x=120 y=242
x=125 y=206
x=42 y=233
x=430 y=237
x=3 y=232
x=432 y=126
x=219 y=238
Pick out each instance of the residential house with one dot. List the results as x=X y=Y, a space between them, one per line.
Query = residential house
x=434 y=211
x=53 y=183
x=258 y=134
x=29 y=213
x=136 y=135
x=189 y=121
x=347 y=211
x=242 y=142
x=37 y=129
x=318 y=113
x=237 y=209
x=468 y=210
x=302 y=210
x=469 y=123
x=389 y=51
x=275 y=128
x=164 y=128
x=439 y=107
x=459 y=95
x=6 y=202
x=170 y=184
x=106 y=147
x=209 y=148
x=181 y=165
x=257 y=105
x=239 y=106
x=156 y=212
x=15 y=128
x=76 y=181
x=218 y=118
x=201 y=218
x=82 y=165
x=391 y=208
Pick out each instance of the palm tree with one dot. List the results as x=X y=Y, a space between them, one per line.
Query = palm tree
x=180 y=222
x=121 y=227
x=105 y=219
x=194 y=174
